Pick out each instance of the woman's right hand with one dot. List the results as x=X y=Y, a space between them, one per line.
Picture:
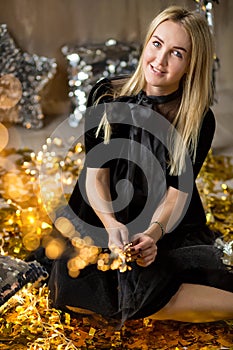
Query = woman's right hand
x=118 y=235
x=99 y=196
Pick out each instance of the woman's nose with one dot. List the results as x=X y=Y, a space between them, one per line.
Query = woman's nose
x=161 y=58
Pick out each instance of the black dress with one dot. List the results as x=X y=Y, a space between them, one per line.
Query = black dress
x=137 y=157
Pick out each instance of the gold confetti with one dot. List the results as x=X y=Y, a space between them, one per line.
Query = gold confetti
x=27 y=320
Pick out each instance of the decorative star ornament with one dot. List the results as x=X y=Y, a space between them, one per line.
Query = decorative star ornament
x=32 y=71
x=88 y=63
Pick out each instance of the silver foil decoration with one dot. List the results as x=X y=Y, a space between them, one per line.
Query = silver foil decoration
x=205 y=7
x=227 y=249
x=88 y=63
x=33 y=72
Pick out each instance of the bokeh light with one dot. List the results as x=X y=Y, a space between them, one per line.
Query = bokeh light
x=4 y=137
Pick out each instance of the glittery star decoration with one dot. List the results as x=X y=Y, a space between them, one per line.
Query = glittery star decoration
x=90 y=62
x=32 y=71
x=10 y=95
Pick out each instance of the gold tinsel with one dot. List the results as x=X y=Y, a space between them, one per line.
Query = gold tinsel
x=28 y=322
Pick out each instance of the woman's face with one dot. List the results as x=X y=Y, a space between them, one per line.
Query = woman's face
x=166 y=58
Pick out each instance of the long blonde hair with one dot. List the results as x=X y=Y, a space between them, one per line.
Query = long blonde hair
x=196 y=84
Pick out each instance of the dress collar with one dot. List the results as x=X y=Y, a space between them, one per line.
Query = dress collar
x=143 y=97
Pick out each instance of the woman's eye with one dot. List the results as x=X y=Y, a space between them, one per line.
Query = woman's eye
x=156 y=43
x=177 y=53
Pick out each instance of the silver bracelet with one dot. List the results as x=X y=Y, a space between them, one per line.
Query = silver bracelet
x=160 y=225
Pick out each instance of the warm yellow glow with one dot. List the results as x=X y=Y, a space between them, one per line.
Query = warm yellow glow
x=45 y=225
x=31 y=241
x=210 y=218
x=49 y=141
x=27 y=317
x=33 y=155
x=78 y=148
x=26 y=164
x=4 y=137
x=10 y=221
x=57 y=141
x=65 y=226
x=17 y=188
x=88 y=240
x=33 y=172
x=31 y=219
x=54 y=248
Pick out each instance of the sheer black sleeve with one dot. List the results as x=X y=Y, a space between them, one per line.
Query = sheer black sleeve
x=99 y=91
x=204 y=144
x=99 y=94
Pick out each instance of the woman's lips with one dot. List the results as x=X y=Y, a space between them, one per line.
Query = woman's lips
x=156 y=70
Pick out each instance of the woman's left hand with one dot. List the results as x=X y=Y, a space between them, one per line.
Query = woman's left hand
x=143 y=250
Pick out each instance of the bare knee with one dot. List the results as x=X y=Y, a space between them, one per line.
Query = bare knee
x=196 y=303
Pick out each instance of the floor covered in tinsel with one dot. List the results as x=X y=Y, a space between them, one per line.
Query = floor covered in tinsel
x=28 y=322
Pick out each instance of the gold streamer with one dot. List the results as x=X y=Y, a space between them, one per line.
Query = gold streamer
x=27 y=321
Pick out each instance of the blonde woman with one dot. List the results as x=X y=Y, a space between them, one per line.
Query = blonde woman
x=146 y=139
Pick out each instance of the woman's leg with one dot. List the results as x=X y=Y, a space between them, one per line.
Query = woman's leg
x=197 y=303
